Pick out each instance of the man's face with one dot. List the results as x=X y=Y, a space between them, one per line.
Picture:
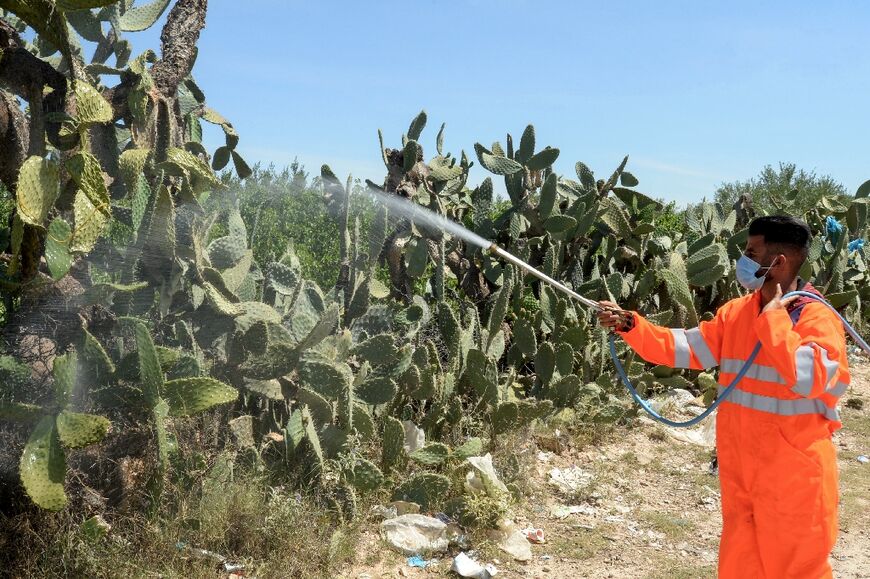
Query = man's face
x=758 y=251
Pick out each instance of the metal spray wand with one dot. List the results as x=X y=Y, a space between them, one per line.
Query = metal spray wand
x=501 y=253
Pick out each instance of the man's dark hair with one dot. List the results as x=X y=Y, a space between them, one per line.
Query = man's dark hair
x=784 y=233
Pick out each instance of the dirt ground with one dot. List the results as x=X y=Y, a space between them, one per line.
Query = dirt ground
x=648 y=507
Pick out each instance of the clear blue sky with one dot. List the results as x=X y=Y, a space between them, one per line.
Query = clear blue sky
x=697 y=93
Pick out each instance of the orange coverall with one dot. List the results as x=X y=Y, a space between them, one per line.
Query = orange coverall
x=777 y=464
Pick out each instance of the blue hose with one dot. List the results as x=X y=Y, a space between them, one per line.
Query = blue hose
x=645 y=405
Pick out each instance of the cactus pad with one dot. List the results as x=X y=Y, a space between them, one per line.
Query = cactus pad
x=379 y=349
x=318 y=406
x=91 y=107
x=542 y=159
x=377 y=390
x=77 y=430
x=497 y=164
x=186 y=396
x=225 y=252
x=139 y=18
x=326 y=378
x=365 y=476
x=393 y=441
x=432 y=454
x=425 y=489
x=43 y=466
x=20 y=412
x=504 y=417
x=471 y=447
x=37 y=190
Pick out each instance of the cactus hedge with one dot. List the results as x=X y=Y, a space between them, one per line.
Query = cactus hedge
x=420 y=333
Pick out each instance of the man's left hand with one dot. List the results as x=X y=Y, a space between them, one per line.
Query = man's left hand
x=777 y=303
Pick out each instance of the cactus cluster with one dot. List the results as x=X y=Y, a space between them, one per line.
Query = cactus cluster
x=375 y=383
x=57 y=427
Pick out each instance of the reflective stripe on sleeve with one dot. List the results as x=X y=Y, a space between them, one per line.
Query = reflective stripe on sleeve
x=780 y=407
x=682 y=356
x=831 y=366
x=805 y=366
x=803 y=362
x=700 y=348
x=837 y=389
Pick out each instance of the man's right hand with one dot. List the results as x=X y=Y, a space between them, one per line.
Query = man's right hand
x=613 y=317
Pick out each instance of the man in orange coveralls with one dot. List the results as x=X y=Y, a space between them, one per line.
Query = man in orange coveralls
x=777 y=464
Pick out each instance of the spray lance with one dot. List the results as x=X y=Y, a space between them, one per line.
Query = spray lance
x=624 y=315
x=499 y=252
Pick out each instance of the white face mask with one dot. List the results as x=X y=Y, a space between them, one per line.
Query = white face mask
x=746 y=273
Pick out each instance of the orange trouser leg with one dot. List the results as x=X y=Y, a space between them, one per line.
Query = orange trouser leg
x=795 y=506
x=739 y=557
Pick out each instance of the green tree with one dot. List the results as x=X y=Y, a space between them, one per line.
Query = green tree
x=283 y=207
x=669 y=220
x=773 y=188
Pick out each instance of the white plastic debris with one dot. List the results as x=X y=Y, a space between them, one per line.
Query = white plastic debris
x=404 y=507
x=569 y=480
x=563 y=511
x=385 y=511
x=512 y=541
x=465 y=566
x=415 y=534
x=414 y=436
x=863 y=459
x=545 y=456
x=704 y=435
x=483 y=478
x=680 y=397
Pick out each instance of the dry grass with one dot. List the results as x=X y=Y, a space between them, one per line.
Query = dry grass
x=271 y=532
